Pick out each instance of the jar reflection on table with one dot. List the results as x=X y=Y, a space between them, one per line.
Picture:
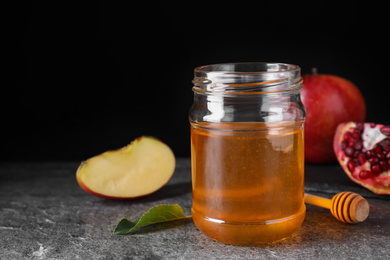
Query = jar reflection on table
x=247 y=152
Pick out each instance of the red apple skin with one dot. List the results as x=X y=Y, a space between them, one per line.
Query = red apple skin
x=329 y=100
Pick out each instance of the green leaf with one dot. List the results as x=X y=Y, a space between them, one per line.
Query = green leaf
x=157 y=214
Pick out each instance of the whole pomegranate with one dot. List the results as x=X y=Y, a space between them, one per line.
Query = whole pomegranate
x=363 y=150
x=329 y=101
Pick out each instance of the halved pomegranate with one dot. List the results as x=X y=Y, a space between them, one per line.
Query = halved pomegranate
x=363 y=150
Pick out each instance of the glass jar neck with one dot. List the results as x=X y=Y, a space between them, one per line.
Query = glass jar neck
x=247 y=92
x=247 y=78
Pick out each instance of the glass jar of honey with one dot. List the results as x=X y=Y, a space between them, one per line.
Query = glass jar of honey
x=247 y=152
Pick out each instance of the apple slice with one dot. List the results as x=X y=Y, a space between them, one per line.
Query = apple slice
x=136 y=170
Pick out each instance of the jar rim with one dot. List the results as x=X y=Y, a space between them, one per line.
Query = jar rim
x=231 y=65
x=247 y=78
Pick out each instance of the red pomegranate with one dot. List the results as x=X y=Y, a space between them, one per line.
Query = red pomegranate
x=329 y=100
x=363 y=150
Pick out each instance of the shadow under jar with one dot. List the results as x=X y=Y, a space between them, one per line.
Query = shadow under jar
x=247 y=152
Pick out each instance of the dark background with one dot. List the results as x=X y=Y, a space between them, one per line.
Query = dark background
x=85 y=77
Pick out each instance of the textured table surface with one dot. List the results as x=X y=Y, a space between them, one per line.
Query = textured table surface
x=45 y=215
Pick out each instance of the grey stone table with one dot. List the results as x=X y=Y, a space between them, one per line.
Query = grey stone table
x=45 y=215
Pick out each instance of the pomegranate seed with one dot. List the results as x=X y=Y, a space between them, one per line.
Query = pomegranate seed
x=369 y=154
x=381 y=156
x=377 y=148
x=343 y=145
x=347 y=136
x=375 y=169
x=358 y=145
x=385 y=130
x=388 y=164
x=373 y=160
x=362 y=158
x=372 y=125
x=388 y=155
x=383 y=165
x=349 y=151
x=386 y=145
x=364 y=174
x=355 y=136
x=351 y=165
x=358 y=131
x=359 y=126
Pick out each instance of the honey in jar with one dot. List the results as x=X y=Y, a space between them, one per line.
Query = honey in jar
x=247 y=152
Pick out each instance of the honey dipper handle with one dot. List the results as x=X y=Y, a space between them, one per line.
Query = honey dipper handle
x=318 y=201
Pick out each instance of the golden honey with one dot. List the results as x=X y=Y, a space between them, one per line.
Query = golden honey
x=247 y=185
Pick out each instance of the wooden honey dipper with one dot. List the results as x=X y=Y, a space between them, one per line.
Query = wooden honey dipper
x=346 y=206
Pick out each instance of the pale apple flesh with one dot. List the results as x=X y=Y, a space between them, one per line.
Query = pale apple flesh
x=136 y=170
